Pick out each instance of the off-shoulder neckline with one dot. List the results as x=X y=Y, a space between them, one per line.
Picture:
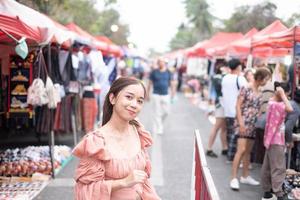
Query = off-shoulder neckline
x=97 y=132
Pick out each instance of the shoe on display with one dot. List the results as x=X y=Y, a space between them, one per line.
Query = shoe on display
x=234 y=184
x=211 y=154
x=19 y=77
x=249 y=180
x=269 y=196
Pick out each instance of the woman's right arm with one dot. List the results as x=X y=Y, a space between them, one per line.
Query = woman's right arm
x=288 y=106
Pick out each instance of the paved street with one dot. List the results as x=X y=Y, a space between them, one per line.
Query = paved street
x=172 y=159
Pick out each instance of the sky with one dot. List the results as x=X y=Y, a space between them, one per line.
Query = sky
x=153 y=23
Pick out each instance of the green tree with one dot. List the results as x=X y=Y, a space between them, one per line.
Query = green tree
x=183 y=38
x=199 y=27
x=293 y=20
x=246 y=17
x=199 y=16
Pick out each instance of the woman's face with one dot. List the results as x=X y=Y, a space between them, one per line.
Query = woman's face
x=129 y=102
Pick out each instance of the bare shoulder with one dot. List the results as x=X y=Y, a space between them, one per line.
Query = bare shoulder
x=104 y=130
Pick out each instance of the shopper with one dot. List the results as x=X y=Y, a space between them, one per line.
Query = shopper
x=247 y=110
x=114 y=163
x=220 y=124
x=161 y=80
x=231 y=85
x=273 y=169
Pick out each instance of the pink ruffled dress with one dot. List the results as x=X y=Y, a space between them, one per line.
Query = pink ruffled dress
x=97 y=169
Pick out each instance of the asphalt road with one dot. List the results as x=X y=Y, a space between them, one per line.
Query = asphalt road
x=172 y=159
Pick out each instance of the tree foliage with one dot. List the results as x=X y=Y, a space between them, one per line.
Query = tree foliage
x=85 y=15
x=198 y=14
x=293 y=20
x=246 y=17
x=183 y=38
x=200 y=25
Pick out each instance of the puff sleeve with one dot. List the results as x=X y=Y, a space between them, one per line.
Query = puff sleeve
x=146 y=141
x=90 y=173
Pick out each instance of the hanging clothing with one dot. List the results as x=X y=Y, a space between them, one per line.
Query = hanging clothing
x=54 y=69
x=89 y=110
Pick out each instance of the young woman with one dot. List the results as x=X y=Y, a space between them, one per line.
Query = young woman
x=247 y=110
x=220 y=119
x=114 y=163
x=273 y=168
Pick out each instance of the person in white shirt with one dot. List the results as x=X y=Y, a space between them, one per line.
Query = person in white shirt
x=231 y=85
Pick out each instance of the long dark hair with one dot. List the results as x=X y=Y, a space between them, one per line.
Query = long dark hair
x=115 y=88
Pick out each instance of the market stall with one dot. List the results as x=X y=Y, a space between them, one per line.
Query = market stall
x=29 y=41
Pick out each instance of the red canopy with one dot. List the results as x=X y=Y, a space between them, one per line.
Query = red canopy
x=264 y=34
x=229 y=48
x=112 y=48
x=241 y=47
x=102 y=46
x=20 y=20
x=282 y=39
x=207 y=48
x=18 y=29
x=265 y=52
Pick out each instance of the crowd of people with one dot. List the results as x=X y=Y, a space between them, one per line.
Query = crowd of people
x=247 y=102
x=250 y=103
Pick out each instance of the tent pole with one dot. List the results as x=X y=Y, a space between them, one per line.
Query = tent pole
x=51 y=135
x=74 y=128
x=294 y=65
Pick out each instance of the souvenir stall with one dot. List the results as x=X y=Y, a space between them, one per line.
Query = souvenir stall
x=25 y=169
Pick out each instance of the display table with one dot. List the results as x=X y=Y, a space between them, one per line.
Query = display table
x=19 y=188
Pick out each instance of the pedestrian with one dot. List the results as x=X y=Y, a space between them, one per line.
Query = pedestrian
x=114 y=163
x=220 y=124
x=273 y=168
x=247 y=111
x=161 y=80
x=231 y=84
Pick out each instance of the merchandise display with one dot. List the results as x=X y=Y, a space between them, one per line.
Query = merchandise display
x=25 y=162
x=20 y=77
x=19 y=90
x=291 y=184
x=16 y=189
x=15 y=103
